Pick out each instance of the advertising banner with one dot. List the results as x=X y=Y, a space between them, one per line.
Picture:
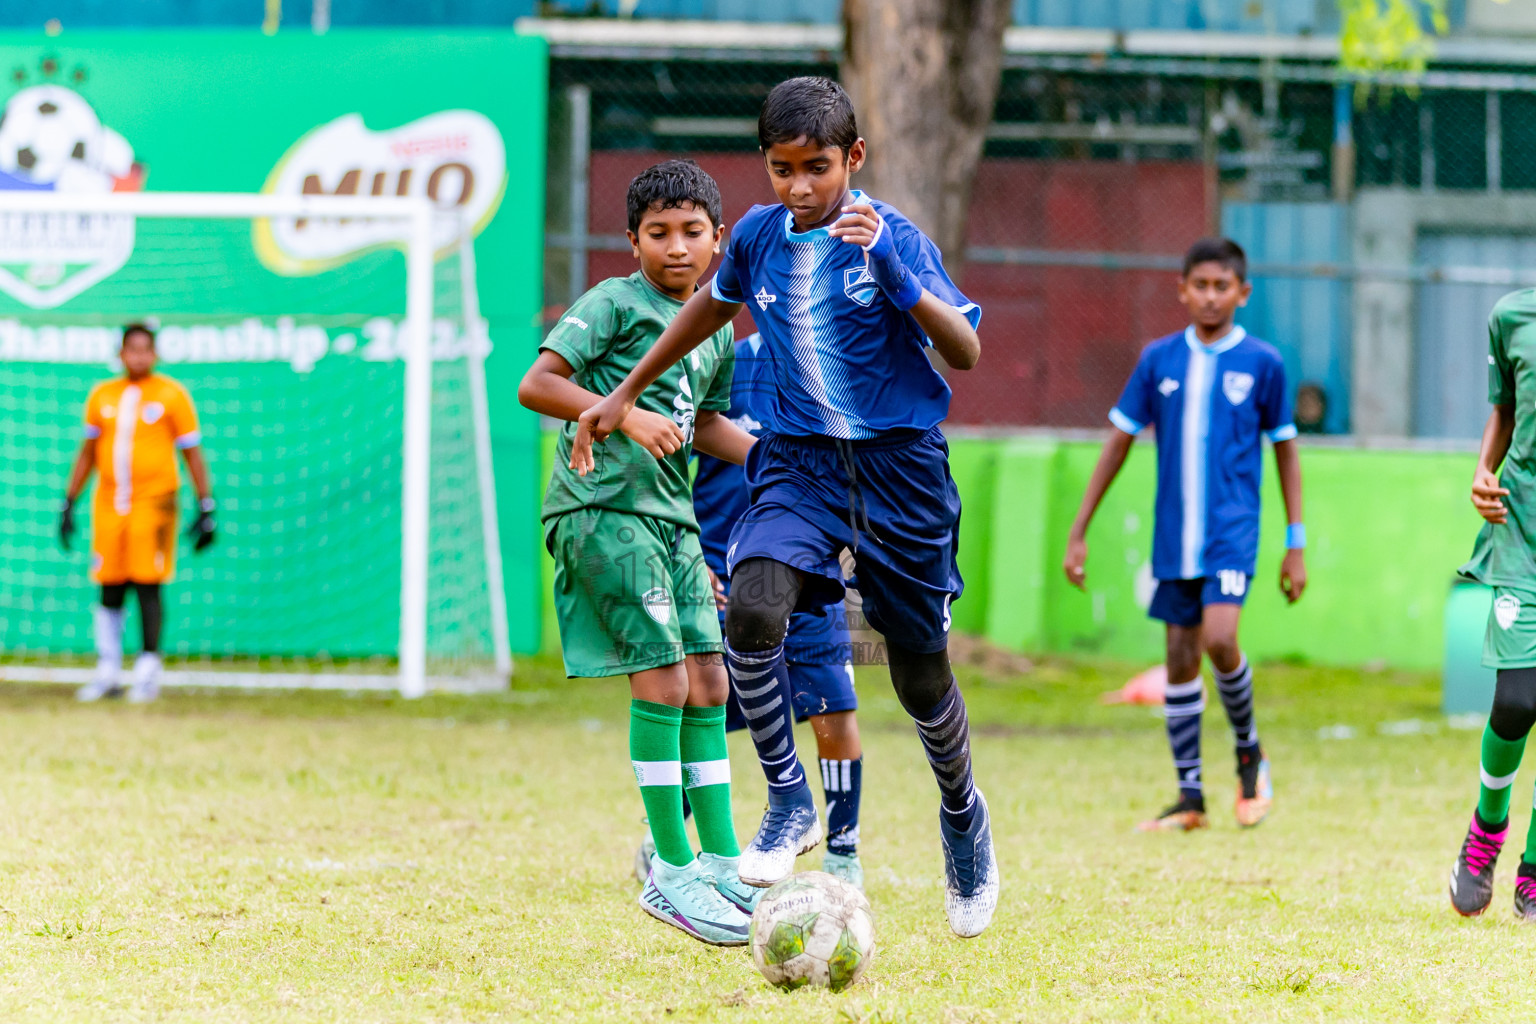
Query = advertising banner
x=287 y=333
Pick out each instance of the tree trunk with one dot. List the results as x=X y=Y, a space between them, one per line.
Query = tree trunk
x=923 y=76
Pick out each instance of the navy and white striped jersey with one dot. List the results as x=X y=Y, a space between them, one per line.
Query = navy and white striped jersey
x=845 y=362
x=1210 y=405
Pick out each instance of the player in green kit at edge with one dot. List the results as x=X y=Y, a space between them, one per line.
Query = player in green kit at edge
x=1505 y=559
x=631 y=589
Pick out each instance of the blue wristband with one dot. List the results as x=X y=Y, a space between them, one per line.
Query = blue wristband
x=893 y=277
x=1296 y=536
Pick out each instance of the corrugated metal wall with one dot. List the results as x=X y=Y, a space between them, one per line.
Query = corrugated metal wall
x=1289 y=17
x=1450 y=394
x=1282 y=16
x=1307 y=319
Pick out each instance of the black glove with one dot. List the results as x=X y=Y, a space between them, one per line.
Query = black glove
x=203 y=530
x=67 y=523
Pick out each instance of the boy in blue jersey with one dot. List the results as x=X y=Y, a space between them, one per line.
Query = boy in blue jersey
x=818 y=648
x=1212 y=392
x=848 y=295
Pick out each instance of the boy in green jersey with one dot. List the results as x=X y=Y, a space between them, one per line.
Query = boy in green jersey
x=631 y=590
x=1505 y=559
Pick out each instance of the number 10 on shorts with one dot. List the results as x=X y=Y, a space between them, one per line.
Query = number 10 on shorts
x=1233 y=583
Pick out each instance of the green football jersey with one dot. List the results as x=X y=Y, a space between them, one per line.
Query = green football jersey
x=603 y=336
x=1506 y=555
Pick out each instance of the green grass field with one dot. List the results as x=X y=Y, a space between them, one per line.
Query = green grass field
x=219 y=857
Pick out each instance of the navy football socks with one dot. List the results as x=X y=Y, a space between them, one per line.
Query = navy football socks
x=1236 y=691
x=761 y=680
x=946 y=736
x=1182 y=706
x=842 y=781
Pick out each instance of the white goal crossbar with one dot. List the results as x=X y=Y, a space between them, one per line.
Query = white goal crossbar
x=417 y=217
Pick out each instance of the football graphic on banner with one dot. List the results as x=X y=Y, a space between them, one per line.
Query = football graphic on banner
x=52 y=141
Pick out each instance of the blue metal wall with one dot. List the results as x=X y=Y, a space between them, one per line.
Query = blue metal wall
x=1451 y=346
x=1288 y=17
x=1306 y=318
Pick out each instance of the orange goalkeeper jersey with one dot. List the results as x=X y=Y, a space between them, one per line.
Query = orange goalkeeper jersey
x=139 y=425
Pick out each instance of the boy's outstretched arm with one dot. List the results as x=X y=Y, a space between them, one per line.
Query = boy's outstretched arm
x=715 y=435
x=547 y=389
x=1487 y=492
x=698 y=320
x=1293 y=569
x=1111 y=458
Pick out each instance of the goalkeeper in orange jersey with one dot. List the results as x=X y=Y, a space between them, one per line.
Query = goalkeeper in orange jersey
x=134 y=425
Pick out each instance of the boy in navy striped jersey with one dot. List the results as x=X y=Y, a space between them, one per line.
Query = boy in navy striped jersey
x=1213 y=393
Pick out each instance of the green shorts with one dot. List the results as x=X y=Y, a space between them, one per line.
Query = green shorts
x=1511 y=638
x=631 y=592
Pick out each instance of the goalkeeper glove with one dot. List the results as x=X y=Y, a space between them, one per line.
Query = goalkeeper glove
x=67 y=523
x=203 y=528
x=899 y=284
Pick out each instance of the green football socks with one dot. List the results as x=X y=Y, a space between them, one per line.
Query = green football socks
x=707 y=777
x=1500 y=762
x=653 y=750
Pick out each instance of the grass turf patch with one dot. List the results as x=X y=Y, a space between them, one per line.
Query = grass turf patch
x=315 y=856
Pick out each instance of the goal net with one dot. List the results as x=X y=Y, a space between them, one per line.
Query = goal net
x=334 y=350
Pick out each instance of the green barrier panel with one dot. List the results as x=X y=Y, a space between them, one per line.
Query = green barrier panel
x=1020 y=512
x=973 y=464
x=1466 y=686
x=1386 y=529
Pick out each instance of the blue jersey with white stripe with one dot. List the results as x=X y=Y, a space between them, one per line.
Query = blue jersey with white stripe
x=1210 y=405
x=720 y=487
x=844 y=361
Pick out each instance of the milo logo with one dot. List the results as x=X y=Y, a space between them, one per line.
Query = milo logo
x=456 y=158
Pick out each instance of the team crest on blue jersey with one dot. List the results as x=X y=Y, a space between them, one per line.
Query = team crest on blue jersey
x=859 y=286
x=1236 y=386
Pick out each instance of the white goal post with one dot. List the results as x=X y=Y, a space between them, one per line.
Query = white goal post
x=417 y=227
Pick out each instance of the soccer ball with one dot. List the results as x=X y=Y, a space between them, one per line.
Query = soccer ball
x=812 y=929
x=49 y=135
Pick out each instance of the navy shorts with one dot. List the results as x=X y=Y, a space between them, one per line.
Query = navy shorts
x=1182 y=602
x=819 y=651
x=890 y=500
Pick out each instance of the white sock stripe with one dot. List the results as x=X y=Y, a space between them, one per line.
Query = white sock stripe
x=847 y=777
x=743 y=692
x=1243 y=669
x=706 y=773
x=826 y=778
x=782 y=759
x=757 y=711
x=1177 y=690
x=754 y=657
x=1183 y=710
x=658 y=773
x=1497 y=781
x=955 y=710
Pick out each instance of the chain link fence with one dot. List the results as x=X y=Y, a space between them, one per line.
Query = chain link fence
x=1381 y=223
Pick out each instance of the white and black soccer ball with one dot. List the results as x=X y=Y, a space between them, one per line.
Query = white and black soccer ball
x=49 y=135
x=812 y=929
